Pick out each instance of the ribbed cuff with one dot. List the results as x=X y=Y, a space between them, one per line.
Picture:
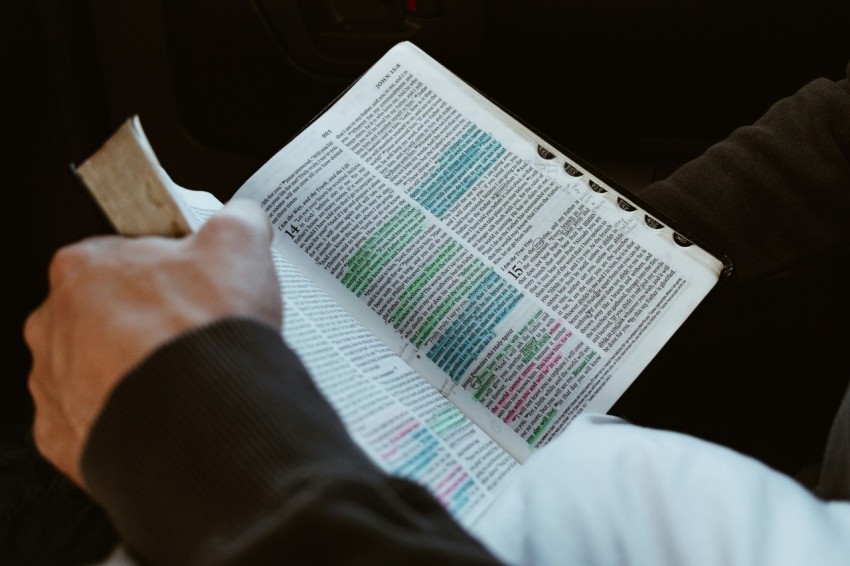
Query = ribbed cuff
x=213 y=429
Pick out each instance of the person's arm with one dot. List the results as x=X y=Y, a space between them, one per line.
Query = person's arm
x=753 y=368
x=774 y=193
x=163 y=387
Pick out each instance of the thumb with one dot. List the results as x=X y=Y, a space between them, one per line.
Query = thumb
x=250 y=213
x=236 y=249
x=241 y=222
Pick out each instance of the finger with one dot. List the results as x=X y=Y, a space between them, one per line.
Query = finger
x=238 y=239
x=34 y=329
x=72 y=258
x=36 y=335
x=56 y=442
x=249 y=210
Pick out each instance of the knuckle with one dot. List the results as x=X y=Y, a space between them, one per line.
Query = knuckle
x=227 y=229
x=33 y=328
x=66 y=260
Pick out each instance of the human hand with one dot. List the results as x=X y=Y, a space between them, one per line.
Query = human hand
x=114 y=300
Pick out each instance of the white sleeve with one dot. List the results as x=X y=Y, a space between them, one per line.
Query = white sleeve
x=608 y=492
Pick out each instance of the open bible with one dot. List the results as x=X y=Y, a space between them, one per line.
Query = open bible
x=459 y=287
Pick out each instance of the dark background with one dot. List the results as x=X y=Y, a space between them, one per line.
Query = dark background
x=633 y=88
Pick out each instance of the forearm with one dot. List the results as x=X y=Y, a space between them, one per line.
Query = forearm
x=240 y=459
x=773 y=197
x=774 y=193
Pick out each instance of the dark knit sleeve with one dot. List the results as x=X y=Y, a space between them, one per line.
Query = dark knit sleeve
x=774 y=193
x=752 y=368
x=219 y=449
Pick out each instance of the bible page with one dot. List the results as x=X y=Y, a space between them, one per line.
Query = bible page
x=402 y=423
x=523 y=289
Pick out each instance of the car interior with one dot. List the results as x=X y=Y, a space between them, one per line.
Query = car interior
x=633 y=89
